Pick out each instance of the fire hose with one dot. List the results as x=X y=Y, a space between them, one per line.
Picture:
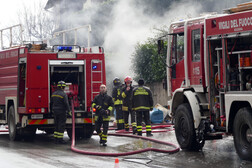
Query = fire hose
x=74 y=149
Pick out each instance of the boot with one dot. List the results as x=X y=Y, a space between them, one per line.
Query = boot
x=139 y=133
x=149 y=134
x=134 y=130
x=126 y=129
x=61 y=141
x=100 y=140
x=103 y=143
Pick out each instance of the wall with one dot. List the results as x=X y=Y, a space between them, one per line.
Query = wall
x=159 y=93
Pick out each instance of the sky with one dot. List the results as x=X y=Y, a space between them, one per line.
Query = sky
x=9 y=10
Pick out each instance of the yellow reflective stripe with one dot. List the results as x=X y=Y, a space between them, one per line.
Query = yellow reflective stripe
x=125 y=108
x=139 y=129
x=117 y=102
x=148 y=126
x=148 y=129
x=139 y=126
x=96 y=118
x=57 y=96
x=106 y=118
x=104 y=139
x=134 y=124
x=123 y=95
x=100 y=134
x=93 y=104
x=126 y=125
x=140 y=93
x=141 y=108
x=120 y=121
x=58 y=134
x=110 y=108
x=103 y=135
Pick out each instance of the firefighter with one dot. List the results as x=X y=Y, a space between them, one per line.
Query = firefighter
x=126 y=95
x=142 y=103
x=60 y=108
x=117 y=98
x=103 y=105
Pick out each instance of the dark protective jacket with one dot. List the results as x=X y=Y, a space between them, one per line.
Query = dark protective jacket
x=59 y=101
x=127 y=99
x=142 y=99
x=105 y=101
x=116 y=94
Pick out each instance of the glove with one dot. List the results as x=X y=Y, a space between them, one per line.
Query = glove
x=103 y=112
x=98 y=107
x=69 y=114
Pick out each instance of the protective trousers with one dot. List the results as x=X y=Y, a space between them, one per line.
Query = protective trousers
x=60 y=124
x=102 y=121
x=126 y=120
x=119 y=117
x=146 y=115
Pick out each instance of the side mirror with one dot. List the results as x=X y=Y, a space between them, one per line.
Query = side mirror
x=160 y=46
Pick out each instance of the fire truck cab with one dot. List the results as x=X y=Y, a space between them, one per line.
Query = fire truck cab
x=29 y=75
x=209 y=78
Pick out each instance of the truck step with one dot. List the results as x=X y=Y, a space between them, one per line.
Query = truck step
x=215 y=135
x=203 y=104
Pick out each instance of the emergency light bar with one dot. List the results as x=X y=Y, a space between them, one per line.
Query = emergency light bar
x=66 y=48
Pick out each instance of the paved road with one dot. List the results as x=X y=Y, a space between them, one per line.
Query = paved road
x=42 y=152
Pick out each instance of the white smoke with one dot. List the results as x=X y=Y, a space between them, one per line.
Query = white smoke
x=131 y=25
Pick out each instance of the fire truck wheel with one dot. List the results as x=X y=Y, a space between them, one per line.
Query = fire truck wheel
x=13 y=131
x=242 y=130
x=184 y=128
x=86 y=132
x=29 y=134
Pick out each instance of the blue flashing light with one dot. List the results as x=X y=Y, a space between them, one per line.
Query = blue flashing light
x=66 y=48
x=94 y=67
x=38 y=67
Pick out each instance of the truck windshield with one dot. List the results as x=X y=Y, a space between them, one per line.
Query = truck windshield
x=177 y=48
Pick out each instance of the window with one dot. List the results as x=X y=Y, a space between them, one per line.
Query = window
x=196 y=45
x=177 y=50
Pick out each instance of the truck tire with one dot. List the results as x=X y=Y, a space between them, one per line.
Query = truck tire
x=184 y=128
x=88 y=131
x=29 y=134
x=13 y=131
x=85 y=132
x=242 y=130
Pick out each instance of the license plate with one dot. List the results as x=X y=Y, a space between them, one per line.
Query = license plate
x=37 y=116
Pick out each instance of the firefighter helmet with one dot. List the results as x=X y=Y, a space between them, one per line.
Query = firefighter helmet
x=128 y=78
x=61 y=84
x=140 y=82
x=116 y=81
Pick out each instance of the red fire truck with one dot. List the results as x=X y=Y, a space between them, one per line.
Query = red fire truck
x=209 y=76
x=28 y=76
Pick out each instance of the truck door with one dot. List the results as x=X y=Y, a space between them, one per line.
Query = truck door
x=196 y=57
x=177 y=61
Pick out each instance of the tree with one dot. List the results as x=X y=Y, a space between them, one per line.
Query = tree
x=147 y=63
x=38 y=24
